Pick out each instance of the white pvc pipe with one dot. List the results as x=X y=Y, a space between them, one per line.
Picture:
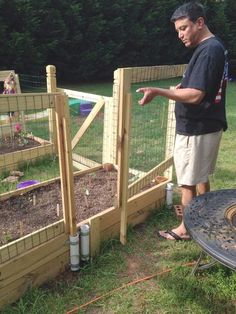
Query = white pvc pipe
x=74 y=252
x=169 y=195
x=84 y=238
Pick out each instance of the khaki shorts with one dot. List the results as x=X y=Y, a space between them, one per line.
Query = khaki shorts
x=195 y=157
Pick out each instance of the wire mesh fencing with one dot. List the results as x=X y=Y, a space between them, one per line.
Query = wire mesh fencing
x=26 y=150
x=152 y=127
x=32 y=83
x=89 y=140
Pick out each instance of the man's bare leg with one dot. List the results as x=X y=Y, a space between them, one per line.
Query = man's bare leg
x=188 y=193
x=203 y=187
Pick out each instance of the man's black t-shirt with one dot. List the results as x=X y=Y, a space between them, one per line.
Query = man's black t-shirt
x=206 y=71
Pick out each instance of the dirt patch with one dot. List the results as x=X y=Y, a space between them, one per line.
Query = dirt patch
x=23 y=214
x=16 y=143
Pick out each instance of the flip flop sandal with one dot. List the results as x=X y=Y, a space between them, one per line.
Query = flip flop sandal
x=175 y=236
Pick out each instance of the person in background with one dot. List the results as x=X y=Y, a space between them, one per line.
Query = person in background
x=10 y=88
x=199 y=109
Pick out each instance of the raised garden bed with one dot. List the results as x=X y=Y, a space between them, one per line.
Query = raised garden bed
x=30 y=209
x=27 y=212
x=12 y=144
x=15 y=150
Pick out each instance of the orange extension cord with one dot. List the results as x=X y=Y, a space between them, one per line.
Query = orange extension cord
x=75 y=310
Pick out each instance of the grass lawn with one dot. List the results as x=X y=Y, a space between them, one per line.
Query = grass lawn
x=211 y=291
x=172 y=289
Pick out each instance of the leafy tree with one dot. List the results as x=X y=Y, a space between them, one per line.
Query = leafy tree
x=89 y=39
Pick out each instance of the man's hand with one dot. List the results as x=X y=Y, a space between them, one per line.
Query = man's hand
x=178 y=86
x=188 y=95
x=149 y=94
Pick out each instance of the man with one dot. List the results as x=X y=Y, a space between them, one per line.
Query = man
x=200 y=107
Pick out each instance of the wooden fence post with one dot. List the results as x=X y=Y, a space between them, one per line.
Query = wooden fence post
x=18 y=90
x=123 y=148
x=111 y=121
x=65 y=161
x=170 y=136
x=52 y=88
x=109 y=151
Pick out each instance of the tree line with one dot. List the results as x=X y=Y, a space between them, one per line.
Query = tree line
x=89 y=39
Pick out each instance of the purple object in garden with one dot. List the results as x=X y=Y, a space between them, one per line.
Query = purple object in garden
x=25 y=184
x=85 y=108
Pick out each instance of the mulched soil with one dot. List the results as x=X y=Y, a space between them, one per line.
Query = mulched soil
x=16 y=143
x=23 y=214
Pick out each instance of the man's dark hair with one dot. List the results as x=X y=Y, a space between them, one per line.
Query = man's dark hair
x=190 y=10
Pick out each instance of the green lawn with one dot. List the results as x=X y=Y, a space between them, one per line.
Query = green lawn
x=226 y=164
x=176 y=291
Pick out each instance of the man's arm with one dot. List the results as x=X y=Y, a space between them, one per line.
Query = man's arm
x=184 y=95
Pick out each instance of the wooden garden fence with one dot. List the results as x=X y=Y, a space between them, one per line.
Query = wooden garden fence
x=43 y=254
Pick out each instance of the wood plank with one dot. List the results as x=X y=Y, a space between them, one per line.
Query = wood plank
x=109 y=153
x=51 y=88
x=59 y=110
x=13 y=291
x=24 y=244
x=26 y=154
x=82 y=95
x=136 y=172
x=85 y=161
x=139 y=184
x=170 y=136
x=69 y=171
x=51 y=79
x=116 y=99
x=123 y=147
x=124 y=168
x=19 y=102
x=94 y=112
x=145 y=198
x=10 y=161
x=40 y=140
x=150 y=73
x=95 y=235
x=79 y=166
x=36 y=257
x=7 y=195
x=86 y=171
x=18 y=90
x=134 y=218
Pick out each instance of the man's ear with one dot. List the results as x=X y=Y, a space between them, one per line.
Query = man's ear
x=200 y=22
